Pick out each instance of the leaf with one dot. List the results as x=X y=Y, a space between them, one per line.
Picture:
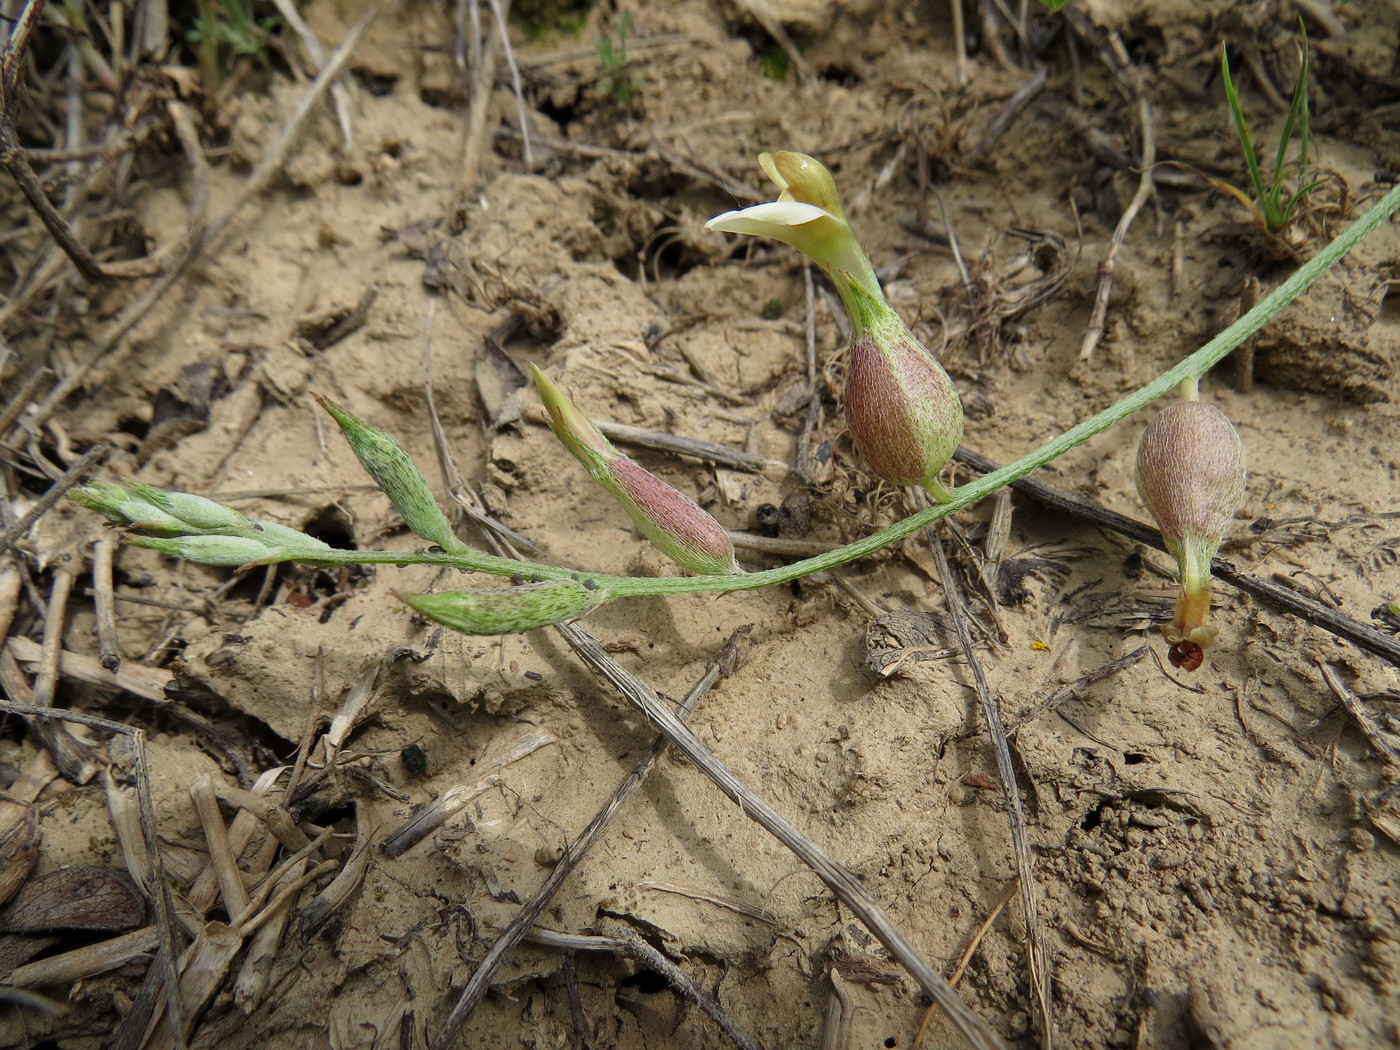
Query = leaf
x=78 y=898
x=899 y=638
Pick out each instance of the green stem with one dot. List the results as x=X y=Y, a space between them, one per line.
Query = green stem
x=1192 y=368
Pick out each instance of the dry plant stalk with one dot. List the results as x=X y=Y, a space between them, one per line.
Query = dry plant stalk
x=1039 y=958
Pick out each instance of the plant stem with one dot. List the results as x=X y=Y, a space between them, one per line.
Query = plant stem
x=1190 y=369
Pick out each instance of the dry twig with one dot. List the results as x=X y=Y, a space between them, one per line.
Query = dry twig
x=1349 y=700
x=841 y=881
x=624 y=941
x=1021 y=849
x=574 y=854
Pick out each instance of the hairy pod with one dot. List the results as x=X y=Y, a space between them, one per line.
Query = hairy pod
x=197 y=512
x=1191 y=475
x=509 y=610
x=395 y=472
x=675 y=524
x=228 y=551
x=902 y=411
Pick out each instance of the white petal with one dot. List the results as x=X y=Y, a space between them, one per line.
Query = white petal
x=759 y=219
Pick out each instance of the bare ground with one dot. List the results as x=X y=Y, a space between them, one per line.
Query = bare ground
x=1216 y=852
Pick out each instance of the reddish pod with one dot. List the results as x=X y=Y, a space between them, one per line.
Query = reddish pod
x=1190 y=474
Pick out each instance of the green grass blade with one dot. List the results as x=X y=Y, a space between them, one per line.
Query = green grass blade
x=1297 y=118
x=1300 y=101
x=1251 y=158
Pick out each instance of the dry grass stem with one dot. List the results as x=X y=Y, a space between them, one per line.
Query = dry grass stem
x=109 y=653
x=146 y=682
x=203 y=891
x=1375 y=735
x=1099 y=316
x=751 y=911
x=73 y=757
x=250 y=986
x=464 y=497
x=352 y=706
x=1041 y=975
x=500 y=11
x=272 y=815
x=842 y=882
x=88 y=961
x=805 y=466
x=1015 y=105
x=347 y=880
x=675 y=444
x=724 y=664
x=778 y=545
x=340 y=94
x=17 y=799
x=20 y=398
x=55 y=620
x=455 y=799
x=474 y=134
x=221 y=856
x=82 y=466
x=124 y=811
x=11 y=584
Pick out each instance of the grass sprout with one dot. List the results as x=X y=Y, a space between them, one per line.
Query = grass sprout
x=616 y=82
x=1274 y=205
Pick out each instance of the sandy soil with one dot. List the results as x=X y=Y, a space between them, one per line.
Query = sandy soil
x=1216 y=853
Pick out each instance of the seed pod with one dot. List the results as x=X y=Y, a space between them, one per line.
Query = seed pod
x=271 y=534
x=678 y=526
x=509 y=610
x=1190 y=475
x=122 y=508
x=234 y=551
x=394 y=471
x=902 y=410
x=195 y=511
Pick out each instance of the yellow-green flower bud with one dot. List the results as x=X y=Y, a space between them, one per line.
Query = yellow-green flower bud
x=510 y=610
x=394 y=472
x=1190 y=475
x=678 y=526
x=902 y=410
x=807 y=215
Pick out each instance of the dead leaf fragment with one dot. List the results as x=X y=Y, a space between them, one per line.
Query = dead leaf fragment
x=79 y=898
x=899 y=638
x=19 y=848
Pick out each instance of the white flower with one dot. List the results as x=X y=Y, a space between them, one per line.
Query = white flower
x=808 y=216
